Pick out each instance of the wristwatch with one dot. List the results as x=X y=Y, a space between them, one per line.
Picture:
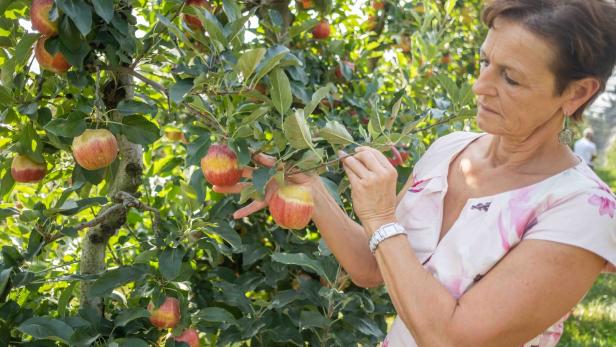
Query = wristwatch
x=384 y=232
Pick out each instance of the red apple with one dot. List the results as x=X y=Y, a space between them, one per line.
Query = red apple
x=55 y=63
x=24 y=170
x=378 y=5
x=193 y=22
x=175 y=135
x=446 y=59
x=396 y=158
x=372 y=22
x=404 y=155
x=167 y=315
x=95 y=149
x=307 y=4
x=338 y=70
x=39 y=16
x=321 y=31
x=405 y=44
x=189 y=336
x=220 y=166
x=291 y=206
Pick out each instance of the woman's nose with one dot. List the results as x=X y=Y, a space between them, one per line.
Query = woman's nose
x=484 y=85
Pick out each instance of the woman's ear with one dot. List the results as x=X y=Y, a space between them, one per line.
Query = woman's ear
x=579 y=92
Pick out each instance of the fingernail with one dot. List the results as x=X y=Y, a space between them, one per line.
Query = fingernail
x=342 y=153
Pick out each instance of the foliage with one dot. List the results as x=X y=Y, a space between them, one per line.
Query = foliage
x=254 y=78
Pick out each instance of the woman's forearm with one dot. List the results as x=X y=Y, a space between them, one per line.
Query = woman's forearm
x=345 y=238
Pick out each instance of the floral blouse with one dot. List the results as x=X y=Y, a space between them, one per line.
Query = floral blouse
x=573 y=207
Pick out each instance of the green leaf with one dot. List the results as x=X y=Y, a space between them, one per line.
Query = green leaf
x=24 y=48
x=129 y=342
x=178 y=91
x=138 y=129
x=4 y=279
x=216 y=314
x=6 y=96
x=311 y=159
x=170 y=262
x=130 y=107
x=316 y=99
x=230 y=235
x=302 y=27
x=211 y=24
x=248 y=62
x=47 y=328
x=296 y=130
x=302 y=260
x=104 y=8
x=79 y=11
x=281 y=91
x=129 y=315
x=197 y=149
x=7 y=212
x=336 y=134
x=65 y=299
x=231 y=9
x=112 y=279
x=72 y=126
x=273 y=56
x=312 y=319
x=261 y=176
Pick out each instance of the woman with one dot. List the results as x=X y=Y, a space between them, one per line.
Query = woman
x=497 y=235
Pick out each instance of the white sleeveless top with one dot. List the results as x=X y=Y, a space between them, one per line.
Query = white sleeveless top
x=573 y=207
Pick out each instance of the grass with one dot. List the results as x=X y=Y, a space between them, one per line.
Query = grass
x=593 y=322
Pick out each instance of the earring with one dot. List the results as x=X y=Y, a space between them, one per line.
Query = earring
x=565 y=137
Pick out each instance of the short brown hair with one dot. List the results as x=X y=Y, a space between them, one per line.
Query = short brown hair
x=583 y=33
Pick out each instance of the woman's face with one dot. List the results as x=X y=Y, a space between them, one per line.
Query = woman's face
x=515 y=90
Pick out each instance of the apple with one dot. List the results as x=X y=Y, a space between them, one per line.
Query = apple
x=193 y=22
x=173 y=134
x=321 y=31
x=396 y=158
x=95 y=149
x=56 y=63
x=404 y=155
x=446 y=59
x=189 y=336
x=339 y=72
x=25 y=170
x=220 y=166
x=291 y=206
x=378 y=5
x=372 y=22
x=167 y=315
x=39 y=16
x=405 y=43
x=307 y=4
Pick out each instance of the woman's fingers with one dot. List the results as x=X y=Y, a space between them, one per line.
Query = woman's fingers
x=234 y=189
x=264 y=159
x=249 y=209
x=380 y=158
x=351 y=164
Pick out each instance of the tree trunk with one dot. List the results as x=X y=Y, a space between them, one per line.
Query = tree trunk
x=127 y=179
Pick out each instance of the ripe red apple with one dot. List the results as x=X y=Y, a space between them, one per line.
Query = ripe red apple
x=190 y=336
x=193 y=22
x=167 y=315
x=307 y=4
x=220 y=166
x=378 y=5
x=446 y=59
x=396 y=158
x=39 y=16
x=338 y=70
x=24 y=170
x=321 y=31
x=95 y=149
x=404 y=155
x=55 y=63
x=291 y=206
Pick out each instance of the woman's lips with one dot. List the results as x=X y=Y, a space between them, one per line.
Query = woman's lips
x=486 y=108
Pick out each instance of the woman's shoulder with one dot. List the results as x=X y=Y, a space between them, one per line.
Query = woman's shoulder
x=442 y=149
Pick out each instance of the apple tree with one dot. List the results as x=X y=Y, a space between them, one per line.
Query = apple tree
x=117 y=116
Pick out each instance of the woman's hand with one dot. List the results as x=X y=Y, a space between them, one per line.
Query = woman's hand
x=272 y=186
x=373 y=187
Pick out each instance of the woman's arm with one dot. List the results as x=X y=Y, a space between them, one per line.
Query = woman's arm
x=532 y=287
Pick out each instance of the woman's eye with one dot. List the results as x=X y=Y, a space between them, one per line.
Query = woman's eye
x=483 y=62
x=509 y=80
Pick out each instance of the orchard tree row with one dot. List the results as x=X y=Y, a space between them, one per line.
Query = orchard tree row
x=118 y=116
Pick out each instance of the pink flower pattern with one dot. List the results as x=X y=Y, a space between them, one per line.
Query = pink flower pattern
x=606 y=205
